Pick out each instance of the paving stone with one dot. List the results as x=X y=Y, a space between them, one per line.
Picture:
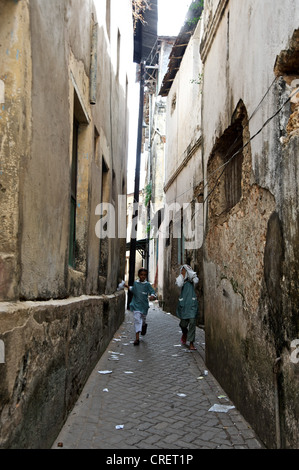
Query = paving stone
x=146 y=402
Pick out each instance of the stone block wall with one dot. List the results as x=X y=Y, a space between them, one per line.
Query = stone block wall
x=50 y=350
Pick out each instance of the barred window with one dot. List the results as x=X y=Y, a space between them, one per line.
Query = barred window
x=225 y=168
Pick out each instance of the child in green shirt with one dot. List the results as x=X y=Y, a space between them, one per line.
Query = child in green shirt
x=142 y=292
x=187 y=308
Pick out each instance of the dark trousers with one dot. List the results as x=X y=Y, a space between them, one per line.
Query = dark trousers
x=188 y=327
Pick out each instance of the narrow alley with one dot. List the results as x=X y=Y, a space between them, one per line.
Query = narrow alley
x=161 y=137
x=158 y=395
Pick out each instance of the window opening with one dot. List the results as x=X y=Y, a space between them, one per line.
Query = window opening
x=225 y=167
x=105 y=195
x=233 y=174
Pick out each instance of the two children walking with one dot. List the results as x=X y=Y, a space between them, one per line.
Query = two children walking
x=187 y=308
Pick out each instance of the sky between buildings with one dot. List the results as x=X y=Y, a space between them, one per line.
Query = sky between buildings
x=171 y=17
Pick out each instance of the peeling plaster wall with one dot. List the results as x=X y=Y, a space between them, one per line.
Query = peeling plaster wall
x=45 y=176
x=51 y=346
x=251 y=251
x=15 y=135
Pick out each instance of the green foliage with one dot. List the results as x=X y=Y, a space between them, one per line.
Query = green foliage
x=197 y=7
x=148 y=194
x=197 y=81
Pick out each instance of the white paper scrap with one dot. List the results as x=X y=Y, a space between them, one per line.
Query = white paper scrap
x=221 y=408
x=121 y=285
x=105 y=390
x=181 y=395
x=128 y=372
x=119 y=426
x=104 y=371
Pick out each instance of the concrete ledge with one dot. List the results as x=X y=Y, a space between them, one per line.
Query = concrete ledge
x=50 y=349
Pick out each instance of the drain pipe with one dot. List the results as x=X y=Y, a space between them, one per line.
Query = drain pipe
x=93 y=65
x=276 y=369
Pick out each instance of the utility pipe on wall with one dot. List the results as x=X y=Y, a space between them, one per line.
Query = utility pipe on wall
x=133 y=241
x=276 y=369
x=93 y=65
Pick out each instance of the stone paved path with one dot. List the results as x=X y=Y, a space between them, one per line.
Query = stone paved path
x=158 y=393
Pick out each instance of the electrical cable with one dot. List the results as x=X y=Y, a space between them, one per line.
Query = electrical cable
x=242 y=148
x=228 y=151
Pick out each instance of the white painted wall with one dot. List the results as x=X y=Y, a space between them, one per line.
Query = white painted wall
x=266 y=27
x=183 y=124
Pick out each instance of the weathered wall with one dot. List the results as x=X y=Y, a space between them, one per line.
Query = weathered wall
x=61 y=45
x=156 y=117
x=45 y=177
x=183 y=171
x=45 y=80
x=15 y=135
x=51 y=348
x=250 y=255
x=156 y=257
x=35 y=188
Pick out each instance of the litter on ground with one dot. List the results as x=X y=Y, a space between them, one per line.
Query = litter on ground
x=221 y=408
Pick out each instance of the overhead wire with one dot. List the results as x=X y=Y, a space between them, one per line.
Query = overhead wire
x=224 y=165
x=231 y=146
x=250 y=140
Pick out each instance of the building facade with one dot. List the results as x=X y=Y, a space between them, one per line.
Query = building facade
x=64 y=84
x=251 y=258
x=141 y=233
x=181 y=231
x=232 y=149
x=154 y=149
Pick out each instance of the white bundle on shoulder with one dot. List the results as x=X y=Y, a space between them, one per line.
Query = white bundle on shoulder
x=190 y=275
x=121 y=286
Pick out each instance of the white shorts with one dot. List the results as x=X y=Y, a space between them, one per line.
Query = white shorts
x=139 y=320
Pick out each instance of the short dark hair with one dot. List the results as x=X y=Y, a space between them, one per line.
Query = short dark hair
x=142 y=269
